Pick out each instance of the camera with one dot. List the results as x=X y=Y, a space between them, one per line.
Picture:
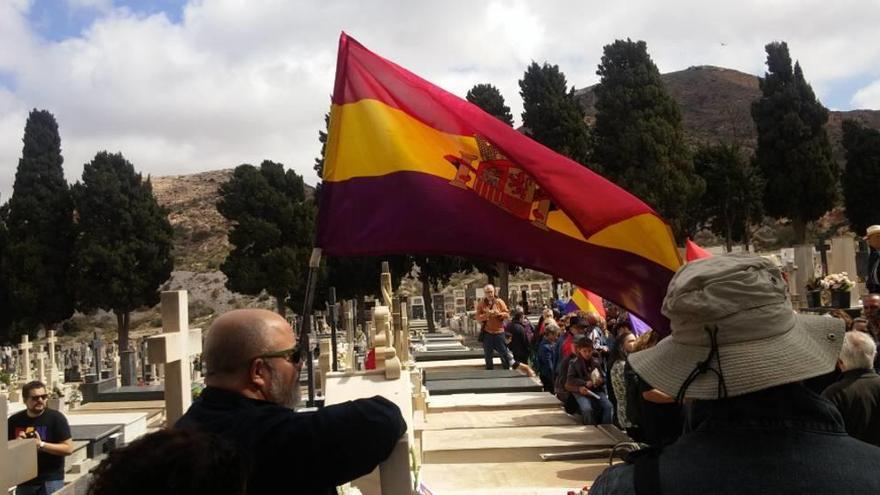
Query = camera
x=30 y=434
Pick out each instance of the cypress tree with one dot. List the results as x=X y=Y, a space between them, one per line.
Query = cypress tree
x=487 y=97
x=862 y=174
x=639 y=140
x=272 y=232
x=37 y=260
x=733 y=191
x=551 y=114
x=123 y=245
x=793 y=150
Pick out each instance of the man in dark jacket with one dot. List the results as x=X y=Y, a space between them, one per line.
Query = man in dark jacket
x=857 y=394
x=252 y=376
x=755 y=428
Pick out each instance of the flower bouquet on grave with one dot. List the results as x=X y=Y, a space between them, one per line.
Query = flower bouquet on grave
x=840 y=286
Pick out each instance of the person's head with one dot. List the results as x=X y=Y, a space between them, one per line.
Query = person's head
x=583 y=346
x=858 y=352
x=842 y=315
x=489 y=292
x=873 y=236
x=254 y=352
x=551 y=332
x=517 y=315
x=577 y=325
x=172 y=461
x=728 y=313
x=547 y=313
x=860 y=325
x=871 y=305
x=626 y=342
x=35 y=397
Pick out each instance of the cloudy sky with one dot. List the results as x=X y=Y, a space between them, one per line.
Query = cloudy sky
x=185 y=86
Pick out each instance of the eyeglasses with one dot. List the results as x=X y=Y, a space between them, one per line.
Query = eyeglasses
x=294 y=355
x=40 y=397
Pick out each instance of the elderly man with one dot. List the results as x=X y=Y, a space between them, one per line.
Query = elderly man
x=491 y=313
x=739 y=353
x=51 y=432
x=253 y=365
x=872 y=280
x=857 y=394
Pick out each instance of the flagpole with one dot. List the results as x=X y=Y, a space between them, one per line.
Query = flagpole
x=306 y=327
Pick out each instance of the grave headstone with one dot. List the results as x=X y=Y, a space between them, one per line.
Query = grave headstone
x=98 y=354
x=173 y=349
x=53 y=368
x=25 y=348
x=41 y=364
x=18 y=458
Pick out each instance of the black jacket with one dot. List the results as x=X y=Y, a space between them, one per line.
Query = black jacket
x=781 y=440
x=305 y=453
x=857 y=397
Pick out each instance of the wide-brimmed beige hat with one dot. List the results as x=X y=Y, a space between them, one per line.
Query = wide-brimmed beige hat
x=761 y=342
x=872 y=230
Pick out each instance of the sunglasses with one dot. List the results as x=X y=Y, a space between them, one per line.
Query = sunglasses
x=40 y=397
x=294 y=355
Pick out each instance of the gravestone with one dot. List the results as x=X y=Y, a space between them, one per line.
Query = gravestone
x=417 y=307
x=18 y=458
x=53 y=368
x=41 y=365
x=25 y=348
x=173 y=349
x=98 y=355
x=805 y=269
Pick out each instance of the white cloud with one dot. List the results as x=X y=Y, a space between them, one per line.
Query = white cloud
x=868 y=97
x=238 y=82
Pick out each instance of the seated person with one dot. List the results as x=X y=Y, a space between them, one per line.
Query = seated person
x=586 y=383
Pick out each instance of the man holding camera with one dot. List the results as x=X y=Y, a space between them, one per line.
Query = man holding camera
x=50 y=430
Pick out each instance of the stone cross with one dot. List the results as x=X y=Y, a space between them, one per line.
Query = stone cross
x=41 y=364
x=53 y=368
x=98 y=346
x=25 y=348
x=173 y=349
x=18 y=458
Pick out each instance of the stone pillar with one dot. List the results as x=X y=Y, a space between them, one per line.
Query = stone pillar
x=41 y=365
x=53 y=367
x=805 y=270
x=843 y=259
x=25 y=348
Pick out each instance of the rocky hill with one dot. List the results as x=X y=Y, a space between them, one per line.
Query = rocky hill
x=716 y=106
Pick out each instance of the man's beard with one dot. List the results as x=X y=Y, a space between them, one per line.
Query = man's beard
x=286 y=395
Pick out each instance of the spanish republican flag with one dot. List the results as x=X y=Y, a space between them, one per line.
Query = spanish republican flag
x=586 y=301
x=411 y=168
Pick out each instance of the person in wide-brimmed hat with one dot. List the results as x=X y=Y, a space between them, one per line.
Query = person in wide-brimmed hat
x=738 y=353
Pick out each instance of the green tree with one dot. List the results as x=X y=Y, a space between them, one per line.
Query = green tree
x=434 y=272
x=639 y=141
x=122 y=253
x=551 y=114
x=862 y=174
x=272 y=233
x=793 y=151
x=734 y=187
x=487 y=97
x=319 y=161
x=37 y=260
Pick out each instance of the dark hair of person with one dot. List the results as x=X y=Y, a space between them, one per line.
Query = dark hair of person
x=842 y=315
x=582 y=341
x=172 y=462
x=623 y=331
x=33 y=385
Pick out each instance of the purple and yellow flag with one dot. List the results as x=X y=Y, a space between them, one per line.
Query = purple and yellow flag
x=411 y=168
x=586 y=301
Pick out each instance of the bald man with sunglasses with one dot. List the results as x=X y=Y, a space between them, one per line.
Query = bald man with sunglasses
x=253 y=365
